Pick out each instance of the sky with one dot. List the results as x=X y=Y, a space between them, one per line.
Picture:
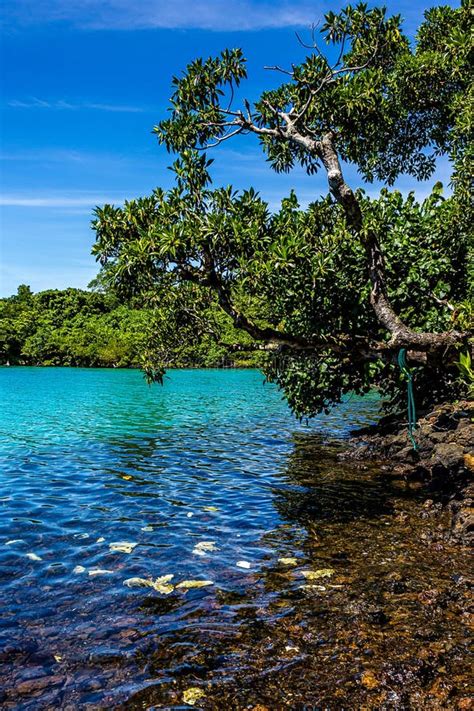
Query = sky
x=84 y=82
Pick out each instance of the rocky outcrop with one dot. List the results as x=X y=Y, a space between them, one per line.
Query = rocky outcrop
x=443 y=459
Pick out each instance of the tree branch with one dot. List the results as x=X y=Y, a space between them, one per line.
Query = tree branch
x=401 y=334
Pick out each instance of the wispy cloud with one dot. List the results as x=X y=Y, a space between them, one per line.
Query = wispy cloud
x=61 y=105
x=59 y=200
x=214 y=15
x=52 y=155
x=180 y=14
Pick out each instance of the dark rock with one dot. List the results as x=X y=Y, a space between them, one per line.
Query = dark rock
x=449 y=455
x=31 y=673
x=30 y=686
x=407 y=454
x=438 y=437
x=442 y=465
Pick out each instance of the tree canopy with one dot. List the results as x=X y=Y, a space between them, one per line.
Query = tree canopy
x=336 y=289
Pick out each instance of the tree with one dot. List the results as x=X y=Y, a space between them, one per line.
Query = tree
x=339 y=288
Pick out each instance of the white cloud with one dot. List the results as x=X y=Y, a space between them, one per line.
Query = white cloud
x=61 y=105
x=180 y=14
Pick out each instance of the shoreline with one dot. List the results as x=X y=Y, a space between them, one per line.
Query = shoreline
x=442 y=465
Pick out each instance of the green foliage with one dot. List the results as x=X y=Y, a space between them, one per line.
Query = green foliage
x=301 y=271
x=466 y=372
x=84 y=328
x=394 y=108
x=391 y=108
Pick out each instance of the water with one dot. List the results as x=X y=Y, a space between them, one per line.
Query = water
x=90 y=458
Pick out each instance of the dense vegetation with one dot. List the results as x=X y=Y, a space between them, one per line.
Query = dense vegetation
x=338 y=289
x=93 y=328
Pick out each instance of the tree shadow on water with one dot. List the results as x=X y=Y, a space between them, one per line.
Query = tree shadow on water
x=319 y=486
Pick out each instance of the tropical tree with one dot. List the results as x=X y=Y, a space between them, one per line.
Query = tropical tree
x=341 y=287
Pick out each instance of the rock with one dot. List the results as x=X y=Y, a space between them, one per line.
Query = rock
x=31 y=673
x=438 y=437
x=442 y=465
x=407 y=454
x=25 y=688
x=449 y=455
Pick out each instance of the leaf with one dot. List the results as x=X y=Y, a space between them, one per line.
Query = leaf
x=204 y=547
x=288 y=561
x=33 y=556
x=79 y=569
x=315 y=574
x=189 y=584
x=100 y=571
x=210 y=508
x=138 y=583
x=122 y=547
x=161 y=584
x=193 y=694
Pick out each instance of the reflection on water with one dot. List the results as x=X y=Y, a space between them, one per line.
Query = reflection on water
x=91 y=458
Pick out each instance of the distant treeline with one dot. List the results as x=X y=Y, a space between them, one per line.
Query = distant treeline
x=75 y=327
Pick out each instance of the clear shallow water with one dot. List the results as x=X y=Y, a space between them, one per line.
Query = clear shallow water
x=95 y=457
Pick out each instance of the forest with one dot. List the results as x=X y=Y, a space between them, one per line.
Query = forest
x=95 y=328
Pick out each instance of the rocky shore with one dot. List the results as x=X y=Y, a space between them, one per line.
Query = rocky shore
x=442 y=463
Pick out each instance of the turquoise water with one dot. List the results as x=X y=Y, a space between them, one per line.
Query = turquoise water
x=90 y=458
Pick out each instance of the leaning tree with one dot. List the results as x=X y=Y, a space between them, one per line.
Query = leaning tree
x=337 y=289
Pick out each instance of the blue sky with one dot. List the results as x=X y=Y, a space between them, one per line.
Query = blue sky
x=83 y=83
